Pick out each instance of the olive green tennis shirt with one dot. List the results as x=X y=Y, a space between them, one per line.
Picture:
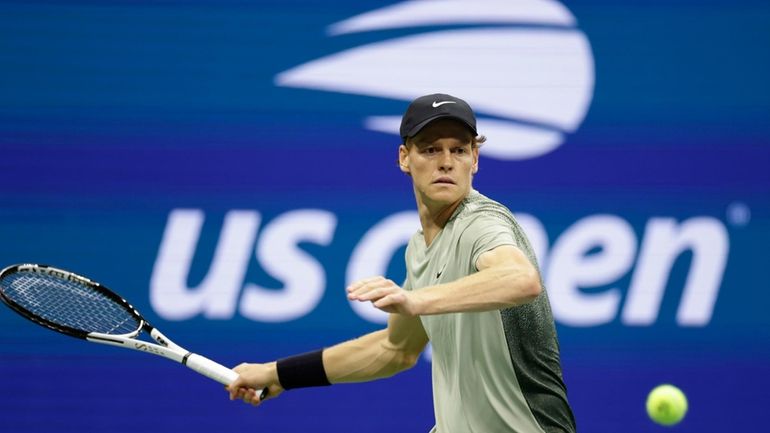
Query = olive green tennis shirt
x=494 y=371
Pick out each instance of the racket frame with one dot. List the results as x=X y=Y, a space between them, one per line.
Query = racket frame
x=165 y=347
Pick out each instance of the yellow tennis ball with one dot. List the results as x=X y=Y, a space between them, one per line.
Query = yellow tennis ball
x=666 y=405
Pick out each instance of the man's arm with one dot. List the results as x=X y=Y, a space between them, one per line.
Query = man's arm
x=373 y=356
x=506 y=278
x=379 y=354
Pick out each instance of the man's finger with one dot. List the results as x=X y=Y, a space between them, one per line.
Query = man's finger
x=387 y=300
x=369 y=287
x=235 y=387
x=356 y=285
x=381 y=293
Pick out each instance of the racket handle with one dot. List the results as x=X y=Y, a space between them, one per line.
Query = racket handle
x=216 y=371
x=211 y=369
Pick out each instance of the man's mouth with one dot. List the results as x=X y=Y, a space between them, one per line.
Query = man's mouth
x=444 y=180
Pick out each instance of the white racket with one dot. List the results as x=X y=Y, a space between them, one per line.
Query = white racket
x=81 y=308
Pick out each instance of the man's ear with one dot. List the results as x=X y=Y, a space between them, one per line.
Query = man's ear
x=403 y=158
x=475 y=159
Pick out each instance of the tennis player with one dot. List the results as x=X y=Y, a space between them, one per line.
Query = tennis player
x=472 y=289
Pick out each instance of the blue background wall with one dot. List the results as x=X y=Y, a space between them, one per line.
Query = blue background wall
x=116 y=115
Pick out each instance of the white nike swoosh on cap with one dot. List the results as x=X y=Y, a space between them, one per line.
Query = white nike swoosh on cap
x=437 y=104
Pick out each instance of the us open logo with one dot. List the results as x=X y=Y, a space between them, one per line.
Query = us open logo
x=523 y=65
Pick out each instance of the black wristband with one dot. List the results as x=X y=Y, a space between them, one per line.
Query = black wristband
x=302 y=371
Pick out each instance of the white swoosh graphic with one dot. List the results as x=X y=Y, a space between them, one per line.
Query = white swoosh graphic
x=438 y=12
x=544 y=77
x=438 y=104
x=540 y=78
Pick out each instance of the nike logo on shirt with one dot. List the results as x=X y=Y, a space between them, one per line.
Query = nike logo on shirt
x=438 y=274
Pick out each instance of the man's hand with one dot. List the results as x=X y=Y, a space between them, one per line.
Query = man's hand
x=252 y=379
x=385 y=295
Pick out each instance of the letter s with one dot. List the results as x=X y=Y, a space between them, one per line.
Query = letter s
x=279 y=255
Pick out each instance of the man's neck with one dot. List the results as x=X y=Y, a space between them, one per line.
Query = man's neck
x=433 y=217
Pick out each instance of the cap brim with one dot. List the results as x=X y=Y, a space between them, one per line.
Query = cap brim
x=417 y=128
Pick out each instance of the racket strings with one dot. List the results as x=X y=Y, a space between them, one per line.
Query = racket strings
x=69 y=303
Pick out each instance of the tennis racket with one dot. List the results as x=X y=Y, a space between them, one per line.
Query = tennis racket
x=81 y=308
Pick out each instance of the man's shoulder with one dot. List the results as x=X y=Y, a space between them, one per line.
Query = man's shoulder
x=477 y=207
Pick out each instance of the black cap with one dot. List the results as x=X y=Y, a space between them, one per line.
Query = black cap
x=428 y=108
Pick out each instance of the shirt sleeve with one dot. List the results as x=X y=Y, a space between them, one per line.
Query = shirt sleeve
x=487 y=233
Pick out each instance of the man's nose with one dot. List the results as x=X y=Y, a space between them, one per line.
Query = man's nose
x=446 y=161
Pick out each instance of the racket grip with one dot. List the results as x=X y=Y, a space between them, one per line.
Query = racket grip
x=216 y=371
x=211 y=369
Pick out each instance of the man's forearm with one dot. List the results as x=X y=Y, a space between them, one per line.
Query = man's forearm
x=366 y=358
x=493 y=288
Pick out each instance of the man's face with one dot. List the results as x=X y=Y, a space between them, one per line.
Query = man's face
x=441 y=160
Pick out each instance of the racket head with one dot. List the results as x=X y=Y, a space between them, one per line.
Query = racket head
x=66 y=302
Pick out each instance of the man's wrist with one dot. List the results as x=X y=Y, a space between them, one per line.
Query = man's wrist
x=420 y=299
x=301 y=371
x=272 y=371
